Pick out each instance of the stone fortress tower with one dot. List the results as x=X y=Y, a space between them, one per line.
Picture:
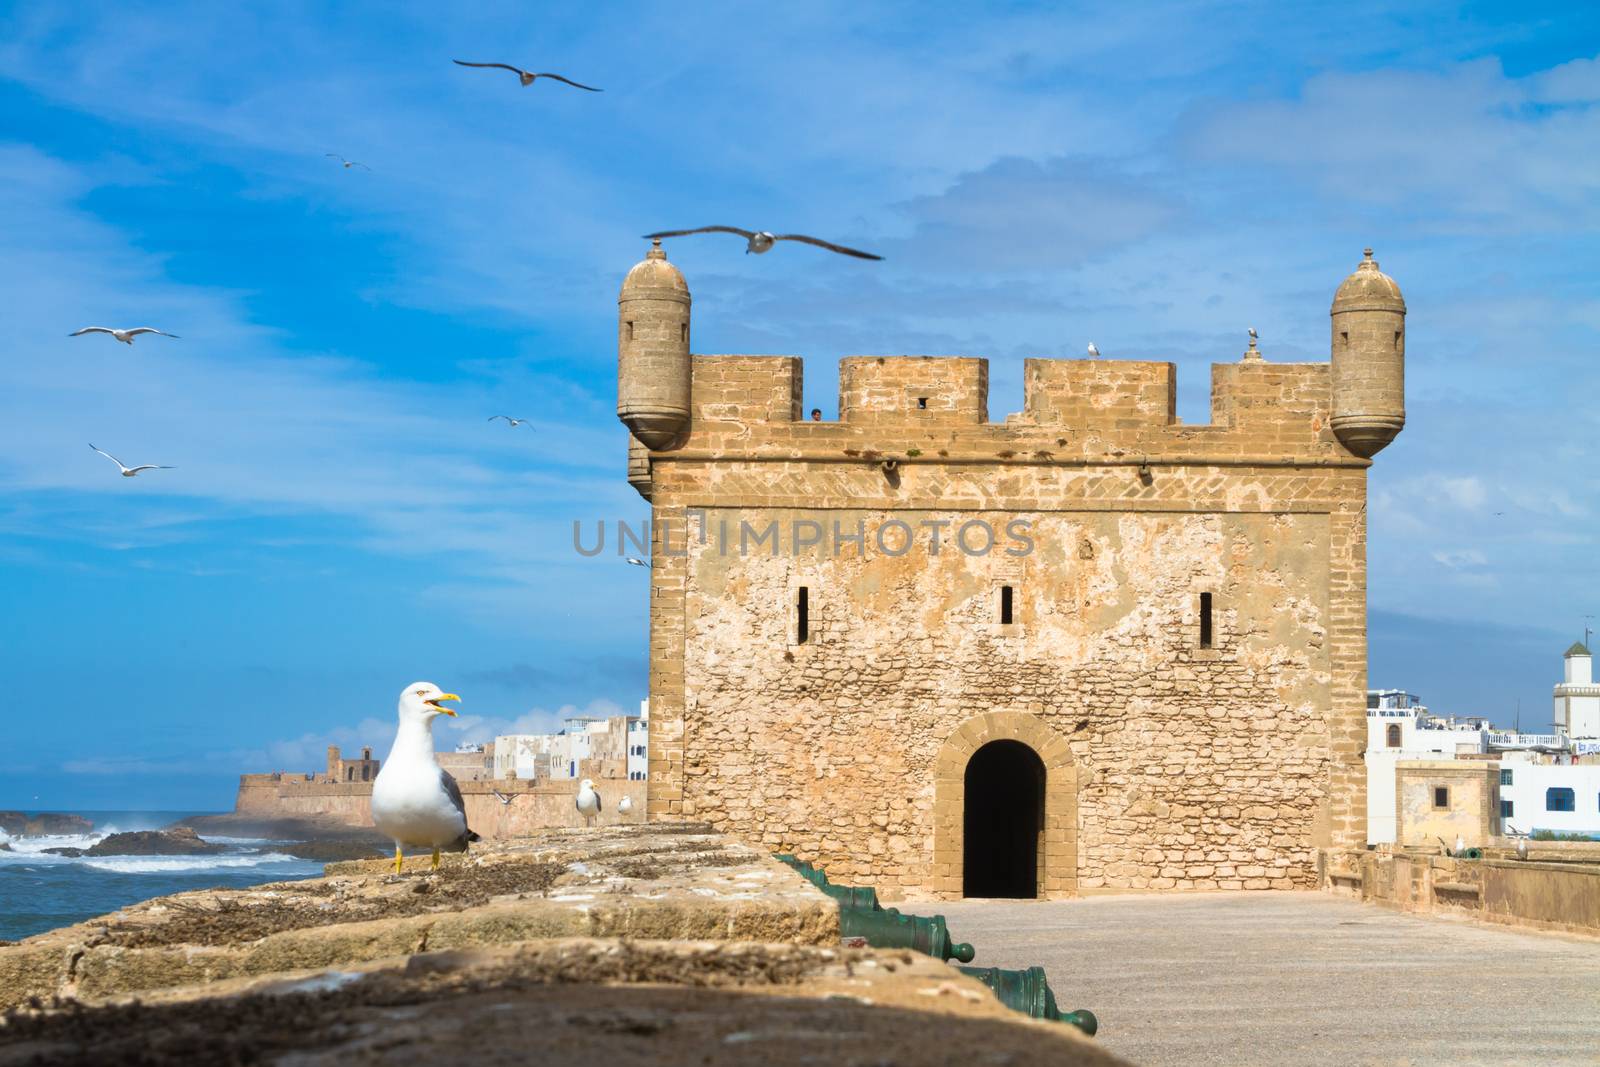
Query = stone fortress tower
x=1086 y=647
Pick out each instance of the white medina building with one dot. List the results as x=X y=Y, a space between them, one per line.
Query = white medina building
x=1400 y=728
x=639 y=744
x=1559 y=797
x=563 y=754
x=1577 y=698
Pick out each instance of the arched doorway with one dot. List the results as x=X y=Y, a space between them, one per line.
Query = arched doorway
x=1002 y=821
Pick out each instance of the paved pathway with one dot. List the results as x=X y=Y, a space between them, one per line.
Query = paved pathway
x=1298 y=978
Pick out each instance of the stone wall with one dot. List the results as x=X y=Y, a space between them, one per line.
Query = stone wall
x=1469 y=814
x=1191 y=767
x=1553 y=889
x=535 y=805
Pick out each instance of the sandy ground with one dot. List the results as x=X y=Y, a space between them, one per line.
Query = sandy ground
x=1299 y=978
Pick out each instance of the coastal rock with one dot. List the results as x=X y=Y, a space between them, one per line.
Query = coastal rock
x=47 y=824
x=179 y=842
x=333 y=851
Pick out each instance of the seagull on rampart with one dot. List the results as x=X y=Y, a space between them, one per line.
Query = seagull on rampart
x=125 y=336
x=759 y=241
x=1094 y=353
x=348 y=163
x=588 y=801
x=509 y=419
x=528 y=77
x=414 y=800
x=127 y=471
x=625 y=805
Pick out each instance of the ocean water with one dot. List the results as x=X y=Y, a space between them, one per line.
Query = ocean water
x=39 y=892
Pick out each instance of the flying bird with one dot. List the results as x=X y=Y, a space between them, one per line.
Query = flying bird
x=588 y=801
x=348 y=163
x=504 y=798
x=509 y=419
x=127 y=471
x=1094 y=353
x=414 y=800
x=125 y=336
x=759 y=241
x=528 y=77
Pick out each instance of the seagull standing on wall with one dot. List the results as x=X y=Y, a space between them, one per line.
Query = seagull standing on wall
x=625 y=805
x=759 y=241
x=414 y=800
x=588 y=801
x=529 y=77
x=125 y=336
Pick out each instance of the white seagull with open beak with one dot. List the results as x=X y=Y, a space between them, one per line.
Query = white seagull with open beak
x=415 y=801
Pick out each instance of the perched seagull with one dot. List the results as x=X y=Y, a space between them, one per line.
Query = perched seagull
x=528 y=77
x=348 y=163
x=588 y=801
x=415 y=801
x=759 y=241
x=1252 y=332
x=1522 y=848
x=625 y=805
x=504 y=798
x=127 y=471
x=509 y=419
x=1094 y=353
x=125 y=336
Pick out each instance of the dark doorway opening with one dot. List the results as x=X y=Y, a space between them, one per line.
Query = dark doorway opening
x=1002 y=822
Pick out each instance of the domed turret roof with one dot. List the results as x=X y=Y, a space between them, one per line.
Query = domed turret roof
x=654 y=272
x=1368 y=289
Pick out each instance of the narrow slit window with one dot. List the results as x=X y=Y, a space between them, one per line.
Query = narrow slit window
x=803 y=611
x=683 y=332
x=922 y=403
x=1005 y=605
x=630 y=329
x=1205 y=620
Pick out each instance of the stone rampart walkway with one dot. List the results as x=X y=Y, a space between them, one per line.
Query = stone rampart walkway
x=1298 y=978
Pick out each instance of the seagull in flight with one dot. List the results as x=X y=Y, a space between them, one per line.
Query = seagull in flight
x=127 y=471
x=759 y=241
x=1094 y=353
x=125 y=336
x=528 y=77
x=348 y=163
x=509 y=419
x=504 y=798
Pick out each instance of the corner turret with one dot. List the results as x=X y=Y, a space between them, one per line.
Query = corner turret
x=653 y=352
x=1369 y=356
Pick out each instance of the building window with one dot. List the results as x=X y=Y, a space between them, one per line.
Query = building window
x=630 y=329
x=1559 y=799
x=1505 y=776
x=1005 y=605
x=803 y=611
x=922 y=403
x=1205 y=620
x=1507 y=809
x=1441 y=796
x=1392 y=735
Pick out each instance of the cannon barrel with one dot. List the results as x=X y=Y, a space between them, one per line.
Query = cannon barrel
x=848 y=896
x=927 y=934
x=1029 y=992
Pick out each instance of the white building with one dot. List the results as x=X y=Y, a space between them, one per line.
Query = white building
x=1577 y=698
x=639 y=744
x=1550 y=796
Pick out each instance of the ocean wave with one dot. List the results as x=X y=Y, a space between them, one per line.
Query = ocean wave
x=244 y=842
x=170 y=864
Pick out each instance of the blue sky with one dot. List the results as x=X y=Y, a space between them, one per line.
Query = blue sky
x=342 y=520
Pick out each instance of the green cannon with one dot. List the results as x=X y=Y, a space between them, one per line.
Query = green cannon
x=848 y=896
x=1027 y=991
x=920 y=933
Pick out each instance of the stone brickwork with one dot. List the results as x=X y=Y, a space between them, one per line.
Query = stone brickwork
x=1172 y=758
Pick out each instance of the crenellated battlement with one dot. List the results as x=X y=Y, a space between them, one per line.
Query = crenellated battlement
x=1072 y=409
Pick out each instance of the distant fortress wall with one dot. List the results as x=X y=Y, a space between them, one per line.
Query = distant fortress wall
x=535 y=804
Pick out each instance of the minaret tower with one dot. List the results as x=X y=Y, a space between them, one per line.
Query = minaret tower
x=1369 y=359
x=653 y=352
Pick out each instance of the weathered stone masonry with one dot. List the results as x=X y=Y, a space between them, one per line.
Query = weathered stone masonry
x=1166 y=764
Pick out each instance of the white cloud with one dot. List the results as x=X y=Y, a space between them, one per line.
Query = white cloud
x=1461 y=558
